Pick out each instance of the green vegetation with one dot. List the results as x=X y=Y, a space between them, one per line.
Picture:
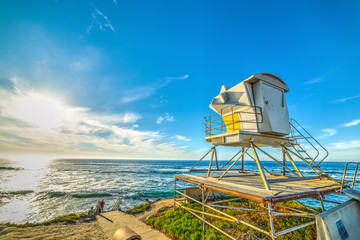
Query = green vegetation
x=161 y=209
x=180 y=224
x=140 y=208
x=69 y=219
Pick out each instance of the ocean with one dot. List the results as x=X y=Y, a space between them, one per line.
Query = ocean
x=38 y=192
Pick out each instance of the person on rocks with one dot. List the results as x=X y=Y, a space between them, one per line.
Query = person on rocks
x=102 y=204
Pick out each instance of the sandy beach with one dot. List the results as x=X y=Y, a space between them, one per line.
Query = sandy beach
x=90 y=230
x=101 y=228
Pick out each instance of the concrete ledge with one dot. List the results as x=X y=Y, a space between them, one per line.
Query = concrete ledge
x=341 y=222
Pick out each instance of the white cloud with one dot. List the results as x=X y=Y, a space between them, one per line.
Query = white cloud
x=166 y=118
x=351 y=124
x=315 y=80
x=160 y=120
x=346 y=99
x=100 y=20
x=182 y=138
x=137 y=94
x=345 y=145
x=33 y=122
x=145 y=92
x=328 y=132
x=181 y=77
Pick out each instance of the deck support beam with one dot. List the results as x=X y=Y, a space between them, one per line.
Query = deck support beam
x=210 y=164
x=284 y=161
x=260 y=167
x=292 y=161
x=272 y=227
x=242 y=160
x=200 y=160
x=241 y=155
x=231 y=159
x=203 y=206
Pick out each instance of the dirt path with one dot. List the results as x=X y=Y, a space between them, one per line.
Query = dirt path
x=154 y=207
x=56 y=231
x=103 y=228
x=112 y=221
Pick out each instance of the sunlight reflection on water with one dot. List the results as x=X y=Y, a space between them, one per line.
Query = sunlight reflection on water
x=40 y=190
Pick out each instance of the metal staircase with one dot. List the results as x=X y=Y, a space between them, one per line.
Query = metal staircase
x=314 y=154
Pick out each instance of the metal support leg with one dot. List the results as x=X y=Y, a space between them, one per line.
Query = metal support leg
x=211 y=159
x=199 y=160
x=242 y=154
x=266 y=184
x=231 y=159
x=272 y=227
x=242 y=160
x=203 y=206
x=276 y=160
x=284 y=161
x=292 y=161
x=208 y=194
x=216 y=159
x=321 y=202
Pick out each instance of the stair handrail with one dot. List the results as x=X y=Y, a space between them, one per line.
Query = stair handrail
x=116 y=204
x=326 y=151
x=344 y=175
x=317 y=151
x=97 y=208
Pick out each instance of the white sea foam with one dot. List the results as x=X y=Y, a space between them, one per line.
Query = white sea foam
x=65 y=186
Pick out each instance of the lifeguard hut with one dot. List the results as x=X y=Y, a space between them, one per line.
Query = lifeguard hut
x=250 y=116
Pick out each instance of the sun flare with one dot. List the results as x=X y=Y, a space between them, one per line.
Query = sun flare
x=42 y=111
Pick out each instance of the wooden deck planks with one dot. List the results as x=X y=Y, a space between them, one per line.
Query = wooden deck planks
x=250 y=185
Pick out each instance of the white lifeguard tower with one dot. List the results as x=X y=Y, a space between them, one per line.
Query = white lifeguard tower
x=254 y=109
x=250 y=116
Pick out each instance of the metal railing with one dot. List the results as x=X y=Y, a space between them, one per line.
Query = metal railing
x=343 y=181
x=215 y=124
x=116 y=205
x=298 y=132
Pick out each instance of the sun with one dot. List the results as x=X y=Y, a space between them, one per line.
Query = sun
x=42 y=111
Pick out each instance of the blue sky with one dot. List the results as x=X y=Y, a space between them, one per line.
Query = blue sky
x=133 y=79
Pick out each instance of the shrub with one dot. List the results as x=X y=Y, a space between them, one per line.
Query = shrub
x=140 y=208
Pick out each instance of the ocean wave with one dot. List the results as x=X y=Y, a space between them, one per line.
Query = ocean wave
x=91 y=195
x=55 y=194
x=75 y=195
x=14 y=193
x=11 y=168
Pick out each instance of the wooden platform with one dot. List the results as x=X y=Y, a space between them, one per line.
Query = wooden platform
x=250 y=186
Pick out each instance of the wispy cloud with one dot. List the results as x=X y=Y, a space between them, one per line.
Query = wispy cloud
x=101 y=20
x=34 y=122
x=346 y=145
x=87 y=61
x=315 y=80
x=182 y=138
x=166 y=118
x=179 y=78
x=351 y=124
x=147 y=91
x=346 y=99
x=327 y=132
